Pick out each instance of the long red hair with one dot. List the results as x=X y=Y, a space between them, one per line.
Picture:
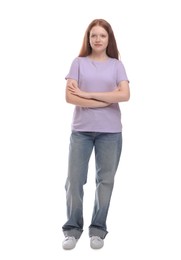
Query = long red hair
x=112 y=50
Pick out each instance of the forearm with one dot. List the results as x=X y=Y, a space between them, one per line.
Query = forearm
x=84 y=102
x=119 y=94
x=110 y=97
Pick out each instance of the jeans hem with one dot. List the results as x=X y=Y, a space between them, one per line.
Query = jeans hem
x=97 y=232
x=73 y=233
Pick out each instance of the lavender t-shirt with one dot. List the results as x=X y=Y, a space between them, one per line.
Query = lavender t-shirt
x=96 y=76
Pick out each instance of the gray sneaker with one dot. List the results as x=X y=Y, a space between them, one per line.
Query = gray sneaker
x=96 y=242
x=69 y=243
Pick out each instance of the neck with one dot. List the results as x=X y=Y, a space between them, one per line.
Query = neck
x=98 y=56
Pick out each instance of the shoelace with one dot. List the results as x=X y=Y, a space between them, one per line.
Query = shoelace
x=97 y=238
x=69 y=238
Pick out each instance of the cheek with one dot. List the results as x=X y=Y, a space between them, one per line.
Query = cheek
x=106 y=42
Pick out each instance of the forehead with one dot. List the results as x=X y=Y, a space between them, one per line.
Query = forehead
x=98 y=29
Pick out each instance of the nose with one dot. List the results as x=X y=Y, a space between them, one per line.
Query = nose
x=98 y=38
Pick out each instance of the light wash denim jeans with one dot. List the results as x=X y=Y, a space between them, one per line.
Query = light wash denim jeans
x=107 y=148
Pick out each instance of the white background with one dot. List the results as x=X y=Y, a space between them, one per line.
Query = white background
x=38 y=41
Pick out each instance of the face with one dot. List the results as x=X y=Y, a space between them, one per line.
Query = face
x=98 y=39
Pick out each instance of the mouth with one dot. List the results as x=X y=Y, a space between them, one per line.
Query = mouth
x=97 y=45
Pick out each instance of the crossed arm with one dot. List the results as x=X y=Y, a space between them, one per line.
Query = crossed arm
x=96 y=99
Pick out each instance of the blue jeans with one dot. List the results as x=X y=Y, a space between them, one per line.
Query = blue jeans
x=107 y=148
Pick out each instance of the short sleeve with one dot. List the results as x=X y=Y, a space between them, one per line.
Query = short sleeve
x=121 y=72
x=74 y=70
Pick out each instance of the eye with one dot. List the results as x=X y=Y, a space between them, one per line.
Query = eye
x=93 y=35
x=103 y=35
